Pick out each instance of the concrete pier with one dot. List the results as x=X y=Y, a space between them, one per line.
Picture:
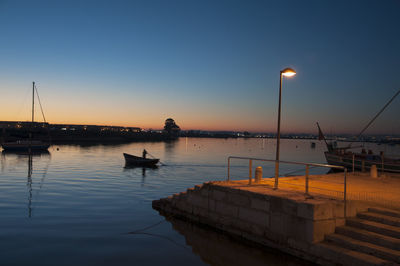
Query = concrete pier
x=285 y=219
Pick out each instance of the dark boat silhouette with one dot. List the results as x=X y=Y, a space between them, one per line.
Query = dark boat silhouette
x=26 y=145
x=133 y=160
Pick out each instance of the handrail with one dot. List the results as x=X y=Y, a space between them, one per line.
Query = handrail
x=289 y=162
x=307 y=165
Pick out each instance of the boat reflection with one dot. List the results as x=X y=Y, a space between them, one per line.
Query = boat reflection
x=23 y=157
x=215 y=248
x=29 y=184
x=25 y=153
x=132 y=169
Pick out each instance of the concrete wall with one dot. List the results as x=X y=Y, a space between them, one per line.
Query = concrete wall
x=286 y=220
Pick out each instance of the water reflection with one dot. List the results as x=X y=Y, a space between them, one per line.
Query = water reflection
x=133 y=171
x=128 y=167
x=23 y=157
x=169 y=146
x=215 y=248
x=25 y=154
x=87 y=199
x=29 y=184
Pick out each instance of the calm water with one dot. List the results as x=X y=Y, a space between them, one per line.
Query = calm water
x=79 y=203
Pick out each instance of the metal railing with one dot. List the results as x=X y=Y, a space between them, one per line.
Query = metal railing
x=307 y=172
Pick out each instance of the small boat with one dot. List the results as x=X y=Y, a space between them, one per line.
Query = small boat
x=139 y=161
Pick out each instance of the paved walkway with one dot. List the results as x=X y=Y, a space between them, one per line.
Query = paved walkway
x=384 y=190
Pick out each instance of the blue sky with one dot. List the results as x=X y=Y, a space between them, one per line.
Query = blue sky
x=208 y=64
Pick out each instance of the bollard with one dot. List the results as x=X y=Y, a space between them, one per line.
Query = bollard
x=258 y=174
x=374 y=171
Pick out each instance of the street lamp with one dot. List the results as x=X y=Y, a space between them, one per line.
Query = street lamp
x=287 y=72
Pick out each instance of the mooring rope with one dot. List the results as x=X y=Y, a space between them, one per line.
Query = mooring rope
x=142 y=232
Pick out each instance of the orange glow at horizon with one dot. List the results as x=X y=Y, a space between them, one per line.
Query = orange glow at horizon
x=89 y=107
x=89 y=115
x=146 y=109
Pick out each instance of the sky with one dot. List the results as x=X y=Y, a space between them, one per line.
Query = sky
x=210 y=65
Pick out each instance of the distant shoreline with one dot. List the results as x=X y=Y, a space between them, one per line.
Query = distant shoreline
x=92 y=134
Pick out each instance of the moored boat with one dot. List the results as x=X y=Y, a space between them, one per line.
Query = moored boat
x=133 y=160
x=362 y=161
x=26 y=145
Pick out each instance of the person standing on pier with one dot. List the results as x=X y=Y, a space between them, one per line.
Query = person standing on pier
x=144 y=153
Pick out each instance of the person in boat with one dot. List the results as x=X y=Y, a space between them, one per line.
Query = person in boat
x=144 y=153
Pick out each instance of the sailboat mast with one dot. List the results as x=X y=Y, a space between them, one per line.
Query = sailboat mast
x=33 y=101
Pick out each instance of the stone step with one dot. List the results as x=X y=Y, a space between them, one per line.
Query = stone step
x=383 y=211
x=343 y=256
x=380 y=218
x=368 y=236
x=383 y=229
x=365 y=247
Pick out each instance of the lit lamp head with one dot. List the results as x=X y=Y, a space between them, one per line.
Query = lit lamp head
x=288 y=72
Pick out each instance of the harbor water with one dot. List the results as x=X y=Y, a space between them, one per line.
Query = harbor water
x=80 y=205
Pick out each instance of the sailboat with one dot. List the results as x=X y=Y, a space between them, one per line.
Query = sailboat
x=29 y=145
x=360 y=161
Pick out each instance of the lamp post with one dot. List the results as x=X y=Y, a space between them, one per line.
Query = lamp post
x=287 y=72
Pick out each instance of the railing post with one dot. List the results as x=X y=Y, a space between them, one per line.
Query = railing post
x=229 y=162
x=307 y=174
x=250 y=173
x=353 y=161
x=345 y=192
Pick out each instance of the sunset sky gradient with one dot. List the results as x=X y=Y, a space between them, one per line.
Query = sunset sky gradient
x=211 y=65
